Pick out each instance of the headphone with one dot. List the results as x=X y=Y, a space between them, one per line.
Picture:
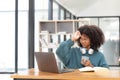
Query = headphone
x=83 y=51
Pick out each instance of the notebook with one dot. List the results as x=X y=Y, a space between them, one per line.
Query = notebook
x=46 y=62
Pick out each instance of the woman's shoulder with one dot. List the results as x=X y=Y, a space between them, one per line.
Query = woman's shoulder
x=99 y=53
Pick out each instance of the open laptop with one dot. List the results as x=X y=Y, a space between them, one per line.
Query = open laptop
x=46 y=62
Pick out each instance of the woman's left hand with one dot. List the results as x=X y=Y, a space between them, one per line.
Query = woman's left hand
x=87 y=63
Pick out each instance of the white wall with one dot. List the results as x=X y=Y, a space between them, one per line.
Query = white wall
x=92 y=7
x=102 y=8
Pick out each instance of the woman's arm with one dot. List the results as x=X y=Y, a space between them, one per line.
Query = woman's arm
x=64 y=50
x=103 y=62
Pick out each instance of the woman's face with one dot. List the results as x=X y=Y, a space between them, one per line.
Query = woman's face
x=85 y=41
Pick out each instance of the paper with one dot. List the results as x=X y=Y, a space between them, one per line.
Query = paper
x=92 y=69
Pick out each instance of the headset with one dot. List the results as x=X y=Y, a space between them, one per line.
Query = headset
x=83 y=51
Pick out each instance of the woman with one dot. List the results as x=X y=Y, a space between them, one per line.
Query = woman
x=89 y=39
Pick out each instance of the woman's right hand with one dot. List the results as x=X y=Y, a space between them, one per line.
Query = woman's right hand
x=76 y=36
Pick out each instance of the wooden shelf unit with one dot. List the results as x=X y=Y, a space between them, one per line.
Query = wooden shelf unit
x=53 y=30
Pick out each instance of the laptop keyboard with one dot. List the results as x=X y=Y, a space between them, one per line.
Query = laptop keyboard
x=67 y=70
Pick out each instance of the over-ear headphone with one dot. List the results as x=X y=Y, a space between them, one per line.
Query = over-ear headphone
x=83 y=51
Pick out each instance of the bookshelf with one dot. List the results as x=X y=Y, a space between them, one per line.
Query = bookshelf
x=53 y=32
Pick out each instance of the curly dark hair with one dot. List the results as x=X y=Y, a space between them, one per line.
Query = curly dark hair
x=95 y=34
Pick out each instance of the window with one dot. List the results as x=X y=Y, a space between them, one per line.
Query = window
x=110 y=27
x=23 y=34
x=7 y=34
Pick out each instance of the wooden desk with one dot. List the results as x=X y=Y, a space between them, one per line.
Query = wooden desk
x=76 y=75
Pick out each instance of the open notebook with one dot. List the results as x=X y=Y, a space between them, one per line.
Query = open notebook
x=47 y=62
x=92 y=69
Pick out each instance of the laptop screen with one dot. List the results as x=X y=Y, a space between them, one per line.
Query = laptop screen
x=46 y=62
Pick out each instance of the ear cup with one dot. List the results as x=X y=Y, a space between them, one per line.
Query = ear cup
x=90 y=51
x=83 y=51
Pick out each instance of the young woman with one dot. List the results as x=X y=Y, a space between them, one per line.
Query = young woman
x=89 y=39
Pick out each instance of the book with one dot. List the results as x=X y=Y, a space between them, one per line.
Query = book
x=93 y=69
x=43 y=42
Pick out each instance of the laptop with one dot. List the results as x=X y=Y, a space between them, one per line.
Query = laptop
x=46 y=62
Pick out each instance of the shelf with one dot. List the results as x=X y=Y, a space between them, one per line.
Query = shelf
x=57 y=31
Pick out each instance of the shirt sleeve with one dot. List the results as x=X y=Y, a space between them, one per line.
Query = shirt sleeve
x=64 y=51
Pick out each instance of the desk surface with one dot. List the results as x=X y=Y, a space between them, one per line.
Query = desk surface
x=76 y=75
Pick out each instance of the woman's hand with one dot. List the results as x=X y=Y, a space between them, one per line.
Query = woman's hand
x=76 y=36
x=86 y=63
